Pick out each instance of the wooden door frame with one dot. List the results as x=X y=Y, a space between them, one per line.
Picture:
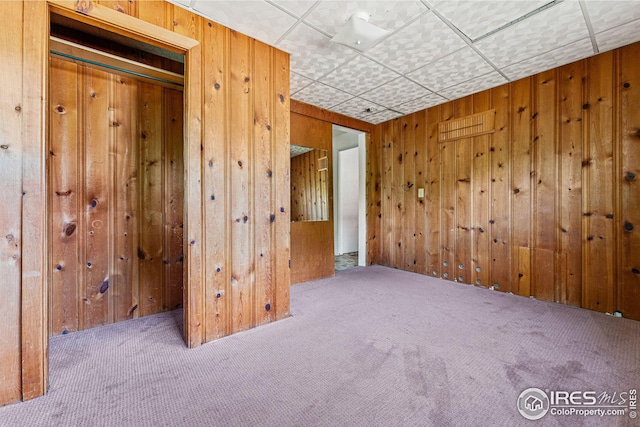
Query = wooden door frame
x=34 y=205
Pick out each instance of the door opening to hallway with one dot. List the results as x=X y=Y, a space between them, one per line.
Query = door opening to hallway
x=349 y=164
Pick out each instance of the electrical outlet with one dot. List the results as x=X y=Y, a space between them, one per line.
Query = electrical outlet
x=420 y=193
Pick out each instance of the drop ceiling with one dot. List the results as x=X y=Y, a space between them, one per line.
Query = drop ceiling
x=436 y=50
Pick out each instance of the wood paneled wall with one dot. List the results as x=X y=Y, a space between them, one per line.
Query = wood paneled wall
x=116 y=194
x=546 y=206
x=309 y=196
x=312 y=241
x=236 y=179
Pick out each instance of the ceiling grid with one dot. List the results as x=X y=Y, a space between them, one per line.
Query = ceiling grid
x=436 y=50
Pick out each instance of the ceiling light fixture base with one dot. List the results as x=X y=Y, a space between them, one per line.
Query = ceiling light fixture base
x=358 y=33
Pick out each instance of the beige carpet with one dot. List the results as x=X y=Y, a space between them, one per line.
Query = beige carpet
x=370 y=347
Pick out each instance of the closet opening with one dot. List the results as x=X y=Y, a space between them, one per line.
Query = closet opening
x=115 y=177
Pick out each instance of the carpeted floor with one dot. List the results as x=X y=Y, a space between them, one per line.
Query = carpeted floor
x=370 y=347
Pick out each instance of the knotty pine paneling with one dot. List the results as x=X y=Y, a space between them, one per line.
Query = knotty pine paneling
x=545 y=206
x=116 y=195
x=206 y=171
x=245 y=175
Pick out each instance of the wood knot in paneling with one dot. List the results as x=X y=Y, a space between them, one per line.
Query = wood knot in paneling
x=84 y=6
x=69 y=228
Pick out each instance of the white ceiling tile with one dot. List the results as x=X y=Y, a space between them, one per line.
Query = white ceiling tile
x=330 y=16
x=298 y=82
x=619 y=36
x=420 y=104
x=477 y=18
x=298 y=8
x=359 y=75
x=320 y=95
x=474 y=85
x=312 y=54
x=382 y=116
x=608 y=14
x=555 y=58
x=395 y=92
x=458 y=67
x=422 y=41
x=421 y=47
x=257 y=19
x=358 y=108
x=561 y=24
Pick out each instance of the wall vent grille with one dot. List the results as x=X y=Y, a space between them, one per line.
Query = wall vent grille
x=467 y=127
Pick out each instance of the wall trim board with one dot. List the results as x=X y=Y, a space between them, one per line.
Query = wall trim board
x=92 y=13
x=329 y=116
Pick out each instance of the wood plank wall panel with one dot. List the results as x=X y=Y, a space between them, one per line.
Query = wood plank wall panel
x=598 y=197
x=373 y=197
x=173 y=205
x=554 y=187
x=523 y=117
x=628 y=223
x=95 y=198
x=281 y=162
x=501 y=217
x=63 y=201
x=432 y=193
x=480 y=198
x=409 y=213
x=10 y=210
x=263 y=184
x=570 y=192
x=122 y=6
x=544 y=186
x=241 y=169
x=386 y=230
x=464 y=197
x=448 y=175
x=151 y=167
x=421 y=181
x=215 y=186
x=124 y=269
x=24 y=157
x=397 y=197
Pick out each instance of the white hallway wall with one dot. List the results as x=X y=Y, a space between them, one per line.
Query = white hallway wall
x=349 y=177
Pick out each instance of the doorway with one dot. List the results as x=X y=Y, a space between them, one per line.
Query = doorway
x=349 y=177
x=115 y=181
